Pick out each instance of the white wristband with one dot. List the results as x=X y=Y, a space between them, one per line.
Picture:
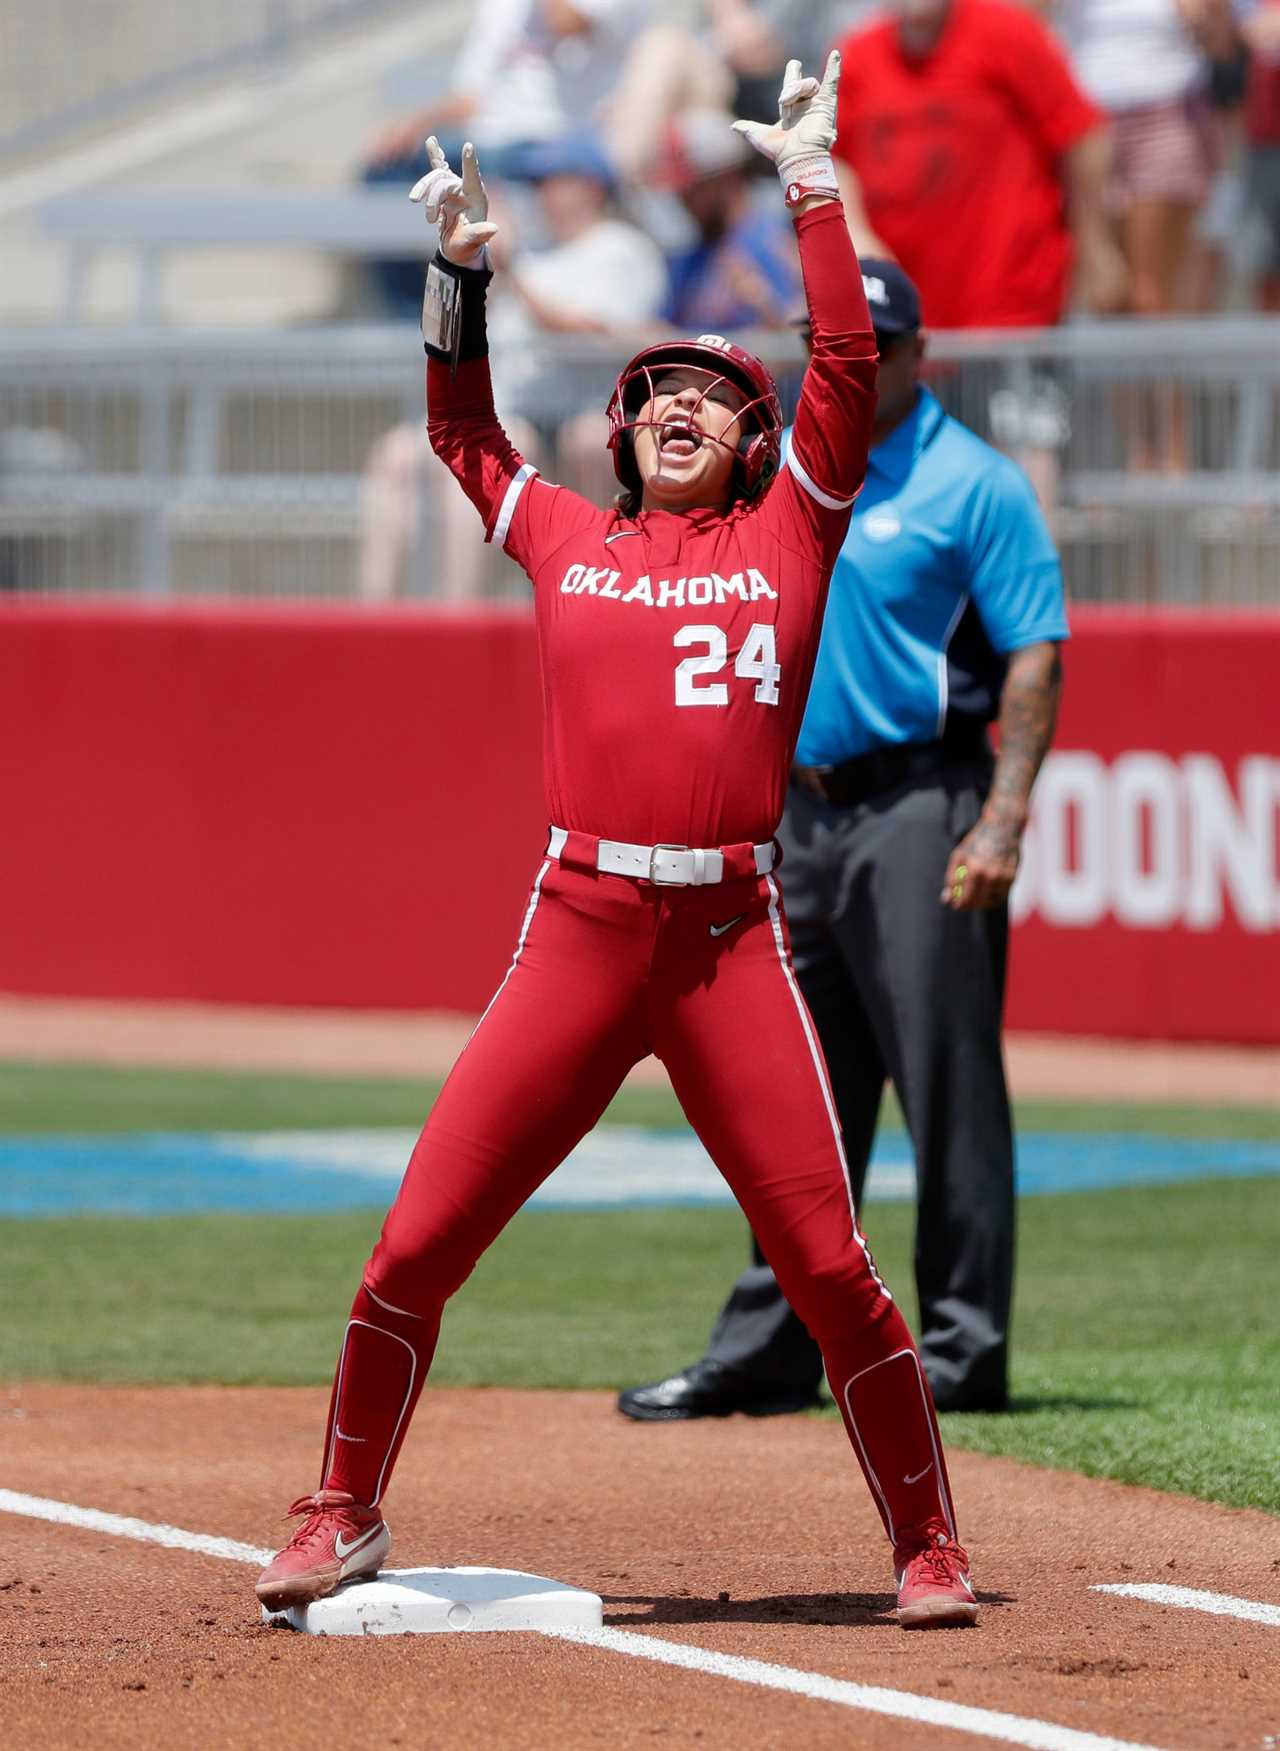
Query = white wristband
x=812 y=174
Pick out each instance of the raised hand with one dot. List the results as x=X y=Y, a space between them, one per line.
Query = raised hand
x=806 y=124
x=458 y=205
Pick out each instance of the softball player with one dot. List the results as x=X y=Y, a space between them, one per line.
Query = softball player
x=677 y=635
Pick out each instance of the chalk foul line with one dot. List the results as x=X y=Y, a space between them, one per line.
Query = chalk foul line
x=1192 y=1599
x=123 y=1526
x=871 y=1699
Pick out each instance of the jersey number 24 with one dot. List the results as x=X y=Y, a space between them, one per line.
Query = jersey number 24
x=757 y=661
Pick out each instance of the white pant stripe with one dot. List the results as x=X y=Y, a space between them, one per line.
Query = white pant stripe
x=806 y=1022
x=337 y=1402
x=847 y=1395
x=524 y=931
x=402 y=1311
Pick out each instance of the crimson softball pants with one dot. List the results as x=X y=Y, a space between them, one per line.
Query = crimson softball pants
x=606 y=971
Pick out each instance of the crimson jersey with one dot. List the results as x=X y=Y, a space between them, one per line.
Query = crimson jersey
x=677 y=649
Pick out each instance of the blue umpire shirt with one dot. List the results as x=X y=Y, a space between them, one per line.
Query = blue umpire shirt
x=948 y=566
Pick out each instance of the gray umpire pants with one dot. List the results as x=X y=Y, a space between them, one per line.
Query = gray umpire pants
x=903 y=988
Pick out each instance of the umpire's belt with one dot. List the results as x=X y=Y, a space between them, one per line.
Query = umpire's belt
x=853 y=781
x=670 y=866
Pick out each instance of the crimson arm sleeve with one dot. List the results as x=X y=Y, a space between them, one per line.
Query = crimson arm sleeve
x=832 y=431
x=465 y=434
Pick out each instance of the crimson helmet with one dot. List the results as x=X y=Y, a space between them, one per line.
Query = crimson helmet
x=757 y=452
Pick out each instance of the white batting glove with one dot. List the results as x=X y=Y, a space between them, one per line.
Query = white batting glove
x=799 y=143
x=458 y=205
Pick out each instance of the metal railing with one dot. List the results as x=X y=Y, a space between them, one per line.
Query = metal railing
x=294 y=463
x=73 y=63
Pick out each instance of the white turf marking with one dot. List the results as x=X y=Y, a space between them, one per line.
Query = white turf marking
x=1192 y=1599
x=123 y=1526
x=872 y=1699
x=614 y=1164
x=898 y=1704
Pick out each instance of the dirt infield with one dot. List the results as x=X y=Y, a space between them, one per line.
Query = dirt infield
x=748 y=1537
x=743 y=1537
x=373 y=1043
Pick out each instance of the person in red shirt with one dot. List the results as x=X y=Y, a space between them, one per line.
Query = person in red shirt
x=967 y=152
x=677 y=634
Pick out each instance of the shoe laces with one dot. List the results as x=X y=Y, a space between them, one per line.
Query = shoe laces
x=939 y=1559
x=317 y=1508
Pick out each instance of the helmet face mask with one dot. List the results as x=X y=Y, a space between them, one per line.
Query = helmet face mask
x=756 y=453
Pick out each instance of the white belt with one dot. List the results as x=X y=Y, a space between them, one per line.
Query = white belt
x=672 y=866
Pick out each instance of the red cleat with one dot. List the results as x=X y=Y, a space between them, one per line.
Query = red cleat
x=337 y=1541
x=934 y=1590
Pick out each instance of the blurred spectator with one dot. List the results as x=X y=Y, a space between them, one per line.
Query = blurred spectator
x=598 y=275
x=716 y=54
x=756 y=38
x=968 y=152
x=1262 y=140
x=1147 y=63
x=530 y=70
x=741 y=269
x=1216 y=244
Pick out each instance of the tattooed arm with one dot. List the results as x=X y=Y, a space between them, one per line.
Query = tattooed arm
x=981 y=869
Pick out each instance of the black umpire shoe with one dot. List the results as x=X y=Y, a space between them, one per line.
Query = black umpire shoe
x=709 y=1389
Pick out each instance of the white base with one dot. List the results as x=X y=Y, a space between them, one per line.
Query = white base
x=428 y=1601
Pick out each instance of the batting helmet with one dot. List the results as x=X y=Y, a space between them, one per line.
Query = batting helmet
x=757 y=451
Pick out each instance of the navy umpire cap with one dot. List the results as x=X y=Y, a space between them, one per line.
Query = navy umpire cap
x=892 y=298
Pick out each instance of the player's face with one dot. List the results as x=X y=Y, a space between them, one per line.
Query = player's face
x=681 y=464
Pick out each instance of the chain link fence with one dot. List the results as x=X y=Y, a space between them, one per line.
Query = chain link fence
x=295 y=464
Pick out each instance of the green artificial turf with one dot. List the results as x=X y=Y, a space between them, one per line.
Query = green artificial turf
x=79 y=1099
x=95 y=1099
x=1147 y=1344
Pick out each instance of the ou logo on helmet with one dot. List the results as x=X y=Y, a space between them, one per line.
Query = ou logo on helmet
x=715 y=340
x=881 y=524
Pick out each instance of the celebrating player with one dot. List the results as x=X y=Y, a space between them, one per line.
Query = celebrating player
x=677 y=635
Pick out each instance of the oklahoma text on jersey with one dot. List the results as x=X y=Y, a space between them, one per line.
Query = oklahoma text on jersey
x=698 y=592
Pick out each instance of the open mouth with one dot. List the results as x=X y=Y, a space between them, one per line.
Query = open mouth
x=677 y=438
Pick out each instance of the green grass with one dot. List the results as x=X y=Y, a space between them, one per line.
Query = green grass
x=1146 y=1339
x=96 y=1099
x=88 y=1099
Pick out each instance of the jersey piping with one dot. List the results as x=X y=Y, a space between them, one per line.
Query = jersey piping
x=511 y=498
x=815 y=492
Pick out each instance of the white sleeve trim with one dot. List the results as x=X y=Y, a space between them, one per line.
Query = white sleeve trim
x=815 y=492
x=519 y=480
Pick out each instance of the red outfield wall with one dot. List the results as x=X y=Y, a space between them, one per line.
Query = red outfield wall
x=330 y=806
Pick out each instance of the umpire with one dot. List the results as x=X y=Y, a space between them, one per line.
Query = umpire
x=901 y=839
